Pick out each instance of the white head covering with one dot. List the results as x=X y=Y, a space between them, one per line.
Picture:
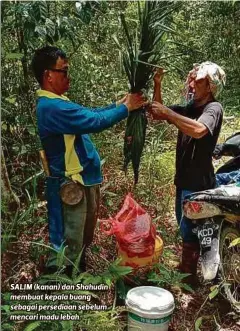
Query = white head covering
x=215 y=75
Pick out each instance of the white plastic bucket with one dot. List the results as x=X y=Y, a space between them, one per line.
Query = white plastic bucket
x=150 y=308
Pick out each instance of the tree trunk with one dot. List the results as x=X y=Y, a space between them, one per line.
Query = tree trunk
x=10 y=201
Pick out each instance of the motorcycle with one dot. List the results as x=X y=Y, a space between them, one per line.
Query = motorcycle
x=216 y=213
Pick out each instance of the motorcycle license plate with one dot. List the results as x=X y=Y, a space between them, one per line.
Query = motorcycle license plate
x=206 y=232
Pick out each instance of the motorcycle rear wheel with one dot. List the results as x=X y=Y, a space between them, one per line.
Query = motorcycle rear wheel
x=230 y=265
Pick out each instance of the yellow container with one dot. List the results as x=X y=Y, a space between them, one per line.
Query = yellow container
x=158 y=249
x=136 y=261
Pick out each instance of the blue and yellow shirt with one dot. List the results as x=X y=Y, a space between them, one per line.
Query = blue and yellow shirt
x=64 y=127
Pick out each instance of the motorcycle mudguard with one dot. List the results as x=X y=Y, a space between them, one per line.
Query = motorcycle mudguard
x=55 y=214
x=208 y=234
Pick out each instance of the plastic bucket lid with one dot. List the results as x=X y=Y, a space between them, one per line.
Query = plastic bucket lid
x=150 y=301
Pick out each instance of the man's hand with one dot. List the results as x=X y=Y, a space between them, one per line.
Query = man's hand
x=158 y=111
x=119 y=102
x=158 y=76
x=135 y=101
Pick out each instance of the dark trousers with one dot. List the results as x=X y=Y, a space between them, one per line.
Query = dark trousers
x=79 y=222
x=185 y=224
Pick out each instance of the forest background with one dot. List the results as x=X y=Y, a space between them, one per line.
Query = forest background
x=201 y=31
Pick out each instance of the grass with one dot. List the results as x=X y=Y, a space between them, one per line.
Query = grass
x=155 y=192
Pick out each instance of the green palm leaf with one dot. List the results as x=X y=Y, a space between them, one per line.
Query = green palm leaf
x=142 y=48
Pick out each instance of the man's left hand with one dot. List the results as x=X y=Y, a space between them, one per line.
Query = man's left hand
x=159 y=111
x=119 y=102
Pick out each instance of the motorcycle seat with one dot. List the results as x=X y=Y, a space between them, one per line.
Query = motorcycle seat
x=225 y=197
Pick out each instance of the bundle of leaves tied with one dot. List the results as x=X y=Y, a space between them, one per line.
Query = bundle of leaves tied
x=142 y=51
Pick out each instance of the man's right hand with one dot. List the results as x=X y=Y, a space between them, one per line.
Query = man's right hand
x=158 y=76
x=135 y=101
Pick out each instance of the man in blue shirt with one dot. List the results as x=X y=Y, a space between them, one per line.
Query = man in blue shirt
x=74 y=163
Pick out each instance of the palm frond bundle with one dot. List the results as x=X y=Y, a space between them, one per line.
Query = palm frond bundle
x=139 y=55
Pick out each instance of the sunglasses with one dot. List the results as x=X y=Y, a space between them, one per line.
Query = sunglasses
x=64 y=71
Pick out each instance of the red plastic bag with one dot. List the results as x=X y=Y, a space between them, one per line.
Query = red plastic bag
x=133 y=228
